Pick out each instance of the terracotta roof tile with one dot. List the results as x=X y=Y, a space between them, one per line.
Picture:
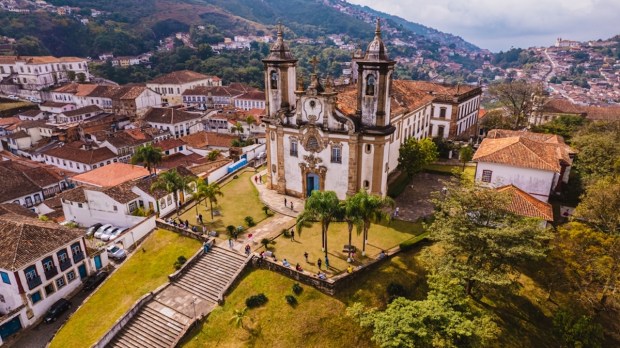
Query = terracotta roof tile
x=522 y=152
x=82 y=111
x=204 y=139
x=111 y=175
x=525 y=205
x=170 y=143
x=169 y=115
x=82 y=156
x=180 y=77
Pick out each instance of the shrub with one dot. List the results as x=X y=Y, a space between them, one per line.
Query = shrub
x=409 y=244
x=265 y=242
x=297 y=289
x=181 y=260
x=232 y=231
x=576 y=330
x=286 y=233
x=395 y=290
x=256 y=300
x=291 y=300
x=249 y=221
x=266 y=210
x=44 y=218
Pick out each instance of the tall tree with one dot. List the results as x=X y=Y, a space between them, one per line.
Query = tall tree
x=210 y=192
x=600 y=204
x=443 y=319
x=414 y=154
x=598 y=151
x=472 y=226
x=466 y=153
x=237 y=128
x=149 y=155
x=172 y=182
x=519 y=97
x=372 y=208
x=352 y=215
x=321 y=206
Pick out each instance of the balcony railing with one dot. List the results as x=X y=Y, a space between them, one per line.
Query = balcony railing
x=50 y=273
x=66 y=264
x=77 y=257
x=34 y=282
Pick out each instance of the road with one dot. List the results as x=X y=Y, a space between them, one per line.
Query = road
x=39 y=335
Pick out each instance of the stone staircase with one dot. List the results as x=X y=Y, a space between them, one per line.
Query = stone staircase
x=210 y=276
x=153 y=326
x=164 y=320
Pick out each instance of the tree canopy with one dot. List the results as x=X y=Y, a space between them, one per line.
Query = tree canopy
x=414 y=154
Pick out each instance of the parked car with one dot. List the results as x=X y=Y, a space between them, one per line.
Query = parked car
x=101 y=229
x=13 y=97
x=92 y=229
x=33 y=99
x=56 y=310
x=116 y=233
x=116 y=253
x=105 y=236
x=93 y=281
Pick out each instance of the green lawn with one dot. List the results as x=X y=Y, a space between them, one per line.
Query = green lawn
x=240 y=200
x=470 y=171
x=319 y=320
x=381 y=237
x=143 y=272
x=13 y=105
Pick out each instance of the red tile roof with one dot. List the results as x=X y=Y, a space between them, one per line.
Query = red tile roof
x=82 y=156
x=111 y=175
x=170 y=143
x=180 y=77
x=522 y=152
x=524 y=204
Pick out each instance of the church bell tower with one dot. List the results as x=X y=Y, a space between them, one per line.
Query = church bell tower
x=280 y=78
x=373 y=84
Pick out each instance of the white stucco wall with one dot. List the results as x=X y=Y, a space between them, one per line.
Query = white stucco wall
x=537 y=183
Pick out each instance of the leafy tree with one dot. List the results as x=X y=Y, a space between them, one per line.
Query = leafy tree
x=577 y=331
x=466 y=153
x=237 y=128
x=321 y=206
x=565 y=125
x=495 y=119
x=212 y=156
x=414 y=154
x=148 y=155
x=599 y=150
x=81 y=77
x=30 y=46
x=518 y=97
x=172 y=182
x=472 y=226
x=443 y=319
x=600 y=205
x=351 y=214
x=71 y=75
x=372 y=208
x=209 y=192
x=590 y=261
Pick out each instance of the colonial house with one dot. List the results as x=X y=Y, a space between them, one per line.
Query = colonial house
x=28 y=183
x=78 y=159
x=538 y=164
x=125 y=143
x=343 y=141
x=204 y=142
x=27 y=134
x=40 y=263
x=177 y=122
x=211 y=97
x=523 y=204
x=8 y=125
x=171 y=86
x=171 y=146
x=32 y=115
x=37 y=73
x=78 y=115
x=250 y=100
x=133 y=100
x=554 y=108
x=56 y=107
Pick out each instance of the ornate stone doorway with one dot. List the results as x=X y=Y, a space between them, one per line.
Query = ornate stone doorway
x=312 y=183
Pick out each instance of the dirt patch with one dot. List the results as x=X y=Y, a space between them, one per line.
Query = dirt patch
x=414 y=202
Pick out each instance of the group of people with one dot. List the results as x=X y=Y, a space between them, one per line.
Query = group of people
x=180 y=223
x=258 y=179
x=286 y=203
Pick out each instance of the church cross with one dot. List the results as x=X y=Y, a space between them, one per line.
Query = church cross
x=314 y=62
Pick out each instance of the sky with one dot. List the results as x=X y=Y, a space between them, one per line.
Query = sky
x=502 y=24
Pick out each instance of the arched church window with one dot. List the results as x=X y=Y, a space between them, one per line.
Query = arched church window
x=370 y=85
x=313 y=144
x=274 y=79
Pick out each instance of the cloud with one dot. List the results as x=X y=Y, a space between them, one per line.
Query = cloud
x=500 y=24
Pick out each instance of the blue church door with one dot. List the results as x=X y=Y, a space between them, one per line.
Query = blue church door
x=312 y=183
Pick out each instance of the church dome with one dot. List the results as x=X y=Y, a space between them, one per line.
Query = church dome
x=279 y=50
x=376 y=49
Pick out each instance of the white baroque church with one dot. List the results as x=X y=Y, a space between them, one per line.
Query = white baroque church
x=347 y=140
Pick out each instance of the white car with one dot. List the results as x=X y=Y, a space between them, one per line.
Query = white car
x=13 y=97
x=101 y=229
x=116 y=253
x=116 y=233
x=105 y=236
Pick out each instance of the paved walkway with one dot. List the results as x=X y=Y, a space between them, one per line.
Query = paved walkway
x=275 y=201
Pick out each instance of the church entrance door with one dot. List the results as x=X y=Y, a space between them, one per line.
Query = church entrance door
x=312 y=183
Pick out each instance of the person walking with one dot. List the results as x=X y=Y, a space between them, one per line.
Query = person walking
x=230 y=242
x=200 y=218
x=247 y=249
x=306 y=256
x=292 y=206
x=319 y=263
x=285 y=201
x=293 y=235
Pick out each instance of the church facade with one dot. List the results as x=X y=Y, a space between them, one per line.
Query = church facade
x=345 y=140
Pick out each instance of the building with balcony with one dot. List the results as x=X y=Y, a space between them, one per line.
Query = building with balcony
x=40 y=263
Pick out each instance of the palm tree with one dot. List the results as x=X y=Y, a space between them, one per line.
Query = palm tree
x=238 y=316
x=322 y=206
x=211 y=192
x=237 y=128
x=212 y=156
x=171 y=181
x=149 y=155
x=351 y=214
x=372 y=208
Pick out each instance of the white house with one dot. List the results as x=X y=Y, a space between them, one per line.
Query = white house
x=77 y=159
x=40 y=263
x=28 y=183
x=78 y=115
x=37 y=73
x=171 y=86
x=536 y=163
x=178 y=122
x=250 y=100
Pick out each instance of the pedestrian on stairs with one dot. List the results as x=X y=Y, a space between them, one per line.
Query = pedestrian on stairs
x=230 y=242
x=247 y=249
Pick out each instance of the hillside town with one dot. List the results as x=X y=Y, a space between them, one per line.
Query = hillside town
x=131 y=213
